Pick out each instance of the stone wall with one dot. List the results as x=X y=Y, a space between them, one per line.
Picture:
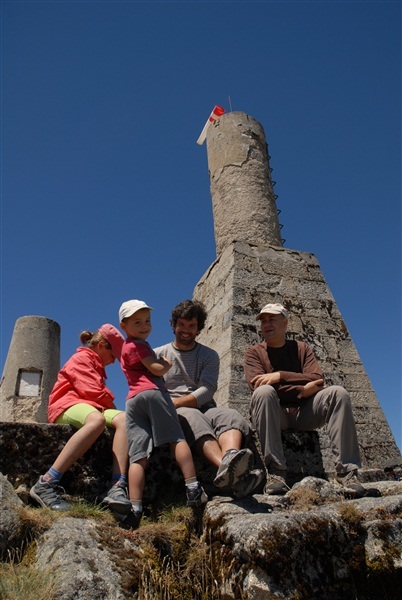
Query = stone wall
x=238 y=284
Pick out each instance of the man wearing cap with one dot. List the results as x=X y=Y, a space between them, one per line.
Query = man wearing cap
x=289 y=393
x=216 y=433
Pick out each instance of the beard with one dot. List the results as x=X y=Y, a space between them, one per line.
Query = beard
x=185 y=341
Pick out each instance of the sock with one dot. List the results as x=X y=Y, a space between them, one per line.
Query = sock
x=52 y=474
x=136 y=505
x=118 y=477
x=191 y=483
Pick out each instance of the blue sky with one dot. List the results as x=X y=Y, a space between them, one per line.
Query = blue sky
x=105 y=193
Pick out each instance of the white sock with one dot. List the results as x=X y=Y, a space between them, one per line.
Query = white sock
x=136 y=505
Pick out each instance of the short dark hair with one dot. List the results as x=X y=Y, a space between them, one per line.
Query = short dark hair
x=188 y=309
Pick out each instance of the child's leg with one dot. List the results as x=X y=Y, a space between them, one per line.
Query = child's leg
x=81 y=441
x=194 y=492
x=136 y=480
x=119 y=448
x=117 y=497
x=91 y=423
x=184 y=459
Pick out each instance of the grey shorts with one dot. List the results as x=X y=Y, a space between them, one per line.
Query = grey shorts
x=151 y=421
x=213 y=422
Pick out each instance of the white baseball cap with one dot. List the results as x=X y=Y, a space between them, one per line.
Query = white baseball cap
x=130 y=307
x=272 y=309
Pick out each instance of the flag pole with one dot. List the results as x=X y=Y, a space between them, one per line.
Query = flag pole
x=215 y=114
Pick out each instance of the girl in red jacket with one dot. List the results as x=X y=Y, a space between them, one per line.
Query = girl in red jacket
x=80 y=398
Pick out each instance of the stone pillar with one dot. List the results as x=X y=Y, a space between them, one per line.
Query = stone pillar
x=253 y=269
x=243 y=198
x=30 y=371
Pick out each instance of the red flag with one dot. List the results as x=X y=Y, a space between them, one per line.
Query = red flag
x=215 y=114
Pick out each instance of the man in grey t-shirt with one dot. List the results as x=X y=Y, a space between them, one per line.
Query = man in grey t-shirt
x=216 y=433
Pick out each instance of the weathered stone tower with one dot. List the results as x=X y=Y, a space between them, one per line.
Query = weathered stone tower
x=30 y=371
x=252 y=268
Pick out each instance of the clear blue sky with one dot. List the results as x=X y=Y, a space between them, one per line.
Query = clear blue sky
x=105 y=193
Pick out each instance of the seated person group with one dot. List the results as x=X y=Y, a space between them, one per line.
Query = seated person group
x=171 y=401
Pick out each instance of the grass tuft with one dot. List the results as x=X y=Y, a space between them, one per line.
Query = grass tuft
x=20 y=580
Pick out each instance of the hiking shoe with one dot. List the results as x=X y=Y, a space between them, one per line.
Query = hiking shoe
x=196 y=496
x=130 y=520
x=47 y=494
x=276 y=485
x=249 y=483
x=233 y=467
x=117 y=499
x=351 y=484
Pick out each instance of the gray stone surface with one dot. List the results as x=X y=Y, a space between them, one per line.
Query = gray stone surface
x=238 y=284
x=242 y=191
x=310 y=544
x=10 y=523
x=83 y=568
x=34 y=355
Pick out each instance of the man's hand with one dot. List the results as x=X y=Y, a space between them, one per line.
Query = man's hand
x=312 y=387
x=266 y=379
x=188 y=401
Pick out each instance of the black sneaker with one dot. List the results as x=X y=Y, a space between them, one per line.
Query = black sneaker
x=249 y=483
x=234 y=465
x=351 y=484
x=117 y=499
x=131 y=520
x=47 y=494
x=196 y=496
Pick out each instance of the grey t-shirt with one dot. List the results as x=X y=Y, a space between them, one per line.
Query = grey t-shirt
x=194 y=372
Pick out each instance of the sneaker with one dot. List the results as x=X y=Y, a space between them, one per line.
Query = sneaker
x=276 y=485
x=248 y=484
x=196 y=496
x=351 y=484
x=117 y=499
x=233 y=467
x=47 y=494
x=130 y=520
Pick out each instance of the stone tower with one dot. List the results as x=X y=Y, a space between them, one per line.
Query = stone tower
x=252 y=268
x=30 y=371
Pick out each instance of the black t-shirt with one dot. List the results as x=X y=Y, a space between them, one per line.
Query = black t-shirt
x=284 y=358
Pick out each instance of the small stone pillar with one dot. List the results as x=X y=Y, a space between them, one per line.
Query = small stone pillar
x=243 y=199
x=30 y=371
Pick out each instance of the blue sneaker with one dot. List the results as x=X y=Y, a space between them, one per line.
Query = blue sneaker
x=117 y=499
x=47 y=494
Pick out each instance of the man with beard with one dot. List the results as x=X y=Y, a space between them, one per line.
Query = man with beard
x=216 y=433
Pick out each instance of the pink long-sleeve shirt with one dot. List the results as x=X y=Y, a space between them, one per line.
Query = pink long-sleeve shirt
x=81 y=380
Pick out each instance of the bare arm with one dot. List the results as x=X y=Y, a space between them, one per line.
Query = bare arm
x=266 y=379
x=189 y=400
x=311 y=388
x=157 y=366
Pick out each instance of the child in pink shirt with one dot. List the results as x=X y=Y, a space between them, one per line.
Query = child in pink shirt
x=150 y=414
